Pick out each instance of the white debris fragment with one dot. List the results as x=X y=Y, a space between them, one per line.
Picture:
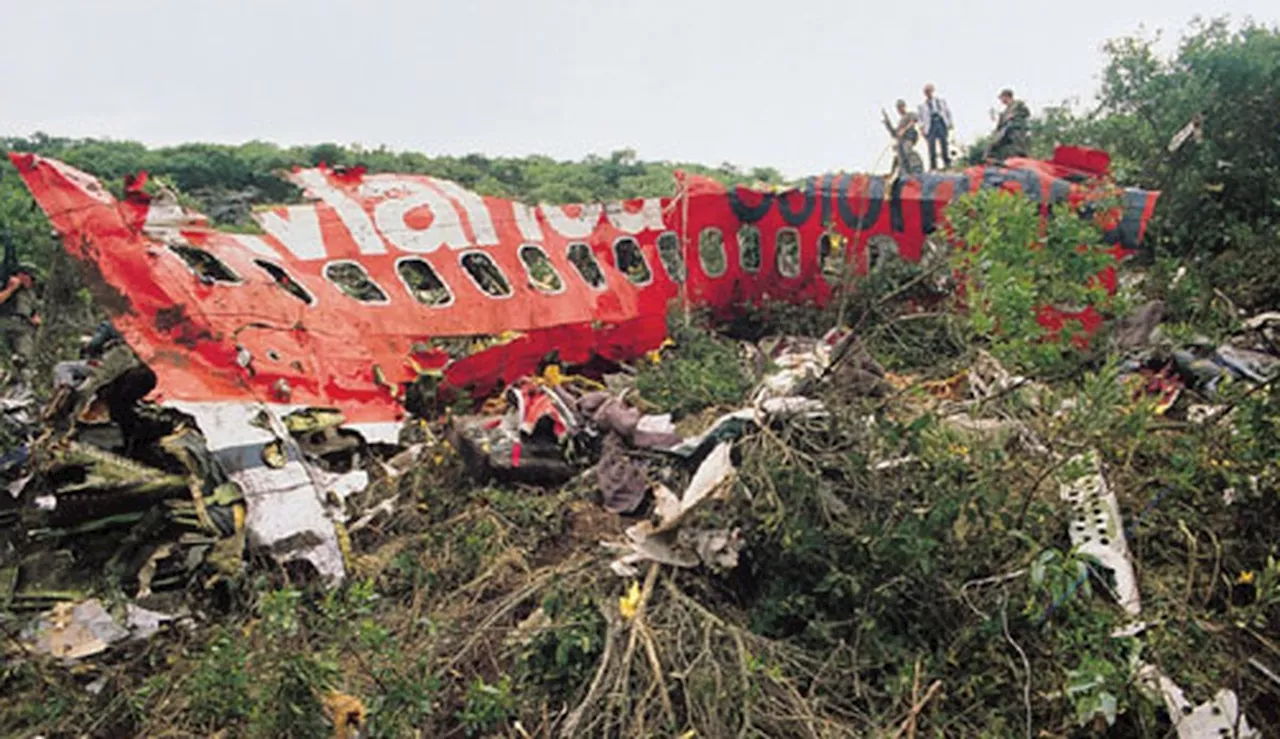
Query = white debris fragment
x=663 y=542
x=1096 y=528
x=345 y=484
x=73 y=631
x=889 y=464
x=144 y=623
x=1219 y=717
x=791 y=406
x=1199 y=413
x=716 y=469
x=655 y=424
x=16 y=487
x=798 y=363
x=286 y=511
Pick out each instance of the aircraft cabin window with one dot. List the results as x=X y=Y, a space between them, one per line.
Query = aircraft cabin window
x=542 y=273
x=285 y=281
x=585 y=262
x=354 y=282
x=711 y=252
x=206 y=266
x=881 y=248
x=749 y=248
x=631 y=262
x=486 y=274
x=424 y=284
x=671 y=255
x=787 y=245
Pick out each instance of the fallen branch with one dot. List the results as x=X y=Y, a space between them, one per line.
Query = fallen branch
x=908 y=724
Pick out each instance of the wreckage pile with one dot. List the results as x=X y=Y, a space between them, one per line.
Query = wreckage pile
x=794 y=536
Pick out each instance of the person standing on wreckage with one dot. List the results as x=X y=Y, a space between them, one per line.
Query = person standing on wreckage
x=935 y=124
x=905 y=135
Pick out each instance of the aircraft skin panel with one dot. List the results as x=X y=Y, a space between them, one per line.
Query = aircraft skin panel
x=263 y=318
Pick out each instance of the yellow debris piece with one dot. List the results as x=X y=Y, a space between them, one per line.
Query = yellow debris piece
x=630 y=603
x=552 y=375
x=274 y=456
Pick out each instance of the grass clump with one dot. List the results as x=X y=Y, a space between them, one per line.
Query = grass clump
x=706 y=371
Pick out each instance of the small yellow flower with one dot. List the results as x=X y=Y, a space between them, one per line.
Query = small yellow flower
x=630 y=603
x=1246 y=578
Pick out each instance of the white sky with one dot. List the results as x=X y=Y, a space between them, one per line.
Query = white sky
x=796 y=85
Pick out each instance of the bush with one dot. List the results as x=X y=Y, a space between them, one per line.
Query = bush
x=1015 y=265
x=1218 y=195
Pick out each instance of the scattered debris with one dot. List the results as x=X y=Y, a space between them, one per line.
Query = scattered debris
x=173 y=496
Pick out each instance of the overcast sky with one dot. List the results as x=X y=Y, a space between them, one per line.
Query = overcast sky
x=796 y=84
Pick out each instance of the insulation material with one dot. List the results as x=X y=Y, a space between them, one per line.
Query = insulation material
x=1096 y=527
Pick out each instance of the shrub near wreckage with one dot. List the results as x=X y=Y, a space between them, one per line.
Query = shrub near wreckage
x=1038 y=282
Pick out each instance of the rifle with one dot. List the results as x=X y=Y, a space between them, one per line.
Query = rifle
x=895 y=132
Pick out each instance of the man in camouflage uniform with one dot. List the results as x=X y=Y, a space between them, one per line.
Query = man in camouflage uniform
x=18 y=317
x=905 y=135
x=1013 y=135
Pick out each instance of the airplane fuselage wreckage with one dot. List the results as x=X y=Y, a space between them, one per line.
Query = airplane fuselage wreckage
x=343 y=302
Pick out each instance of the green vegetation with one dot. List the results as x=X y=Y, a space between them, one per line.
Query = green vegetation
x=706 y=372
x=1219 y=210
x=1016 y=268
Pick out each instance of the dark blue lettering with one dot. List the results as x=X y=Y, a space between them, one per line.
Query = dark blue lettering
x=793 y=217
x=875 y=198
x=749 y=213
